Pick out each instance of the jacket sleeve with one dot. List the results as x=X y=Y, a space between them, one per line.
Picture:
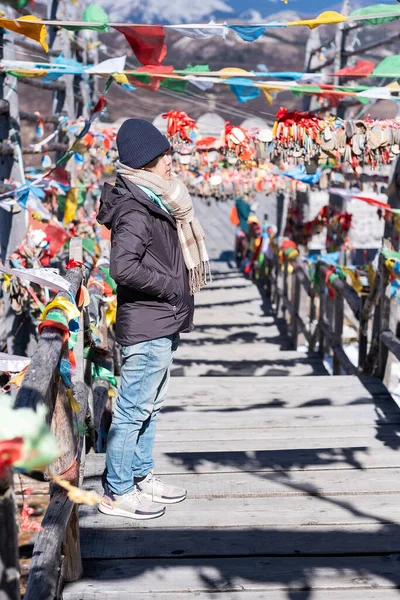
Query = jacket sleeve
x=129 y=242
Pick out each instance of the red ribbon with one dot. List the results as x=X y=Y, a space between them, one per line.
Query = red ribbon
x=72 y=263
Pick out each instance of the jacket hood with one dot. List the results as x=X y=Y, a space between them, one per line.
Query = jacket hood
x=110 y=202
x=115 y=197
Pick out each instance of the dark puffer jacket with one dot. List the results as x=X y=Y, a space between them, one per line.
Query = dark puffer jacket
x=147 y=264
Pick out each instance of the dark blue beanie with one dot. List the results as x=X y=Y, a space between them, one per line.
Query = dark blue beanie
x=139 y=143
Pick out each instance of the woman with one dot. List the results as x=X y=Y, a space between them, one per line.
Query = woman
x=158 y=260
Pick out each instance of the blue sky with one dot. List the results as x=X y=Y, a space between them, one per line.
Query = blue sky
x=266 y=7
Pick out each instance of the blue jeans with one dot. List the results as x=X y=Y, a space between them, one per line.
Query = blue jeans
x=145 y=376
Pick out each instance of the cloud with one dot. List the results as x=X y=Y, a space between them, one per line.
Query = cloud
x=172 y=11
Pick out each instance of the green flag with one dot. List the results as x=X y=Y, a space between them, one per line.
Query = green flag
x=389 y=67
x=377 y=9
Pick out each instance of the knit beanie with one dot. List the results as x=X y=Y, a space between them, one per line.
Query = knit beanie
x=139 y=143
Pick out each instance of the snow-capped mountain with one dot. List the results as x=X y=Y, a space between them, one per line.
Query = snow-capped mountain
x=165 y=11
x=192 y=11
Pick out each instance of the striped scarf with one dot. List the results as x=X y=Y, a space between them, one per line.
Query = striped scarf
x=176 y=199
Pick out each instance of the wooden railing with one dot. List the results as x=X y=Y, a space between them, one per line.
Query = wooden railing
x=309 y=310
x=56 y=555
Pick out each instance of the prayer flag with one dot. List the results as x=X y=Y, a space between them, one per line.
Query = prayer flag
x=389 y=67
x=29 y=26
x=202 y=33
x=328 y=17
x=377 y=9
x=248 y=33
x=148 y=43
x=362 y=68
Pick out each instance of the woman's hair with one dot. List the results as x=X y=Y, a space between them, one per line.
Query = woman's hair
x=154 y=162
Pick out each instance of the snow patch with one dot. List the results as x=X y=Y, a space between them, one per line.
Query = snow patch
x=156 y=11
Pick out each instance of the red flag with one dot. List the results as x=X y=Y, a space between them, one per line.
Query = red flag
x=58 y=174
x=148 y=43
x=98 y=109
x=154 y=80
x=362 y=68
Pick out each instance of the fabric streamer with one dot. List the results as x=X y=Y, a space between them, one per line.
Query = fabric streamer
x=248 y=33
x=10 y=363
x=70 y=310
x=71 y=205
x=329 y=17
x=362 y=68
x=389 y=67
x=299 y=173
x=243 y=89
x=148 y=43
x=380 y=9
x=202 y=33
x=29 y=26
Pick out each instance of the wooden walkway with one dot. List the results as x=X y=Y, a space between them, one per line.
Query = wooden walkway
x=293 y=475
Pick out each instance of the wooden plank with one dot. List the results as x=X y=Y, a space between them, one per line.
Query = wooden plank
x=232 y=574
x=244 y=359
x=252 y=391
x=301 y=511
x=352 y=482
x=261 y=444
x=366 y=594
x=9 y=559
x=319 y=459
x=287 y=435
x=277 y=417
x=127 y=541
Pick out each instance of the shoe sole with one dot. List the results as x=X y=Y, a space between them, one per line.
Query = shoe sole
x=118 y=512
x=161 y=500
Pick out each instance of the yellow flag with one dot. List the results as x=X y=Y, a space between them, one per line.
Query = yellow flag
x=29 y=26
x=268 y=97
x=328 y=17
x=355 y=279
x=63 y=304
x=71 y=205
x=76 y=407
x=232 y=72
x=120 y=78
x=33 y=73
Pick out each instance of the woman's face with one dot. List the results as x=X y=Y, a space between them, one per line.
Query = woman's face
x=163 y=168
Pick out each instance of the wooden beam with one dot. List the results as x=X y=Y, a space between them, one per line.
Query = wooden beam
x=52 y=147
x=32 y=118
x=39 y=374
x=349 y=294
x=339 y=318
x=46 y=563
x=54 y=86
x=9 y=555
x=391 y=342
x=304 y=279
x=337 y=348
x=34 y=48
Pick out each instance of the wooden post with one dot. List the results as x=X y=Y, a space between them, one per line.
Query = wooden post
x=9 y=555
x=296 y=287
x=321 y=316
x=285 y=288
x=72 y=564
x=384 y=324
x=311 y=345
x=363 y=335
x=339 y=316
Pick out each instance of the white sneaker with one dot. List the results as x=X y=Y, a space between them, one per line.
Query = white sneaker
x=155 y=490
x=133 y=505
